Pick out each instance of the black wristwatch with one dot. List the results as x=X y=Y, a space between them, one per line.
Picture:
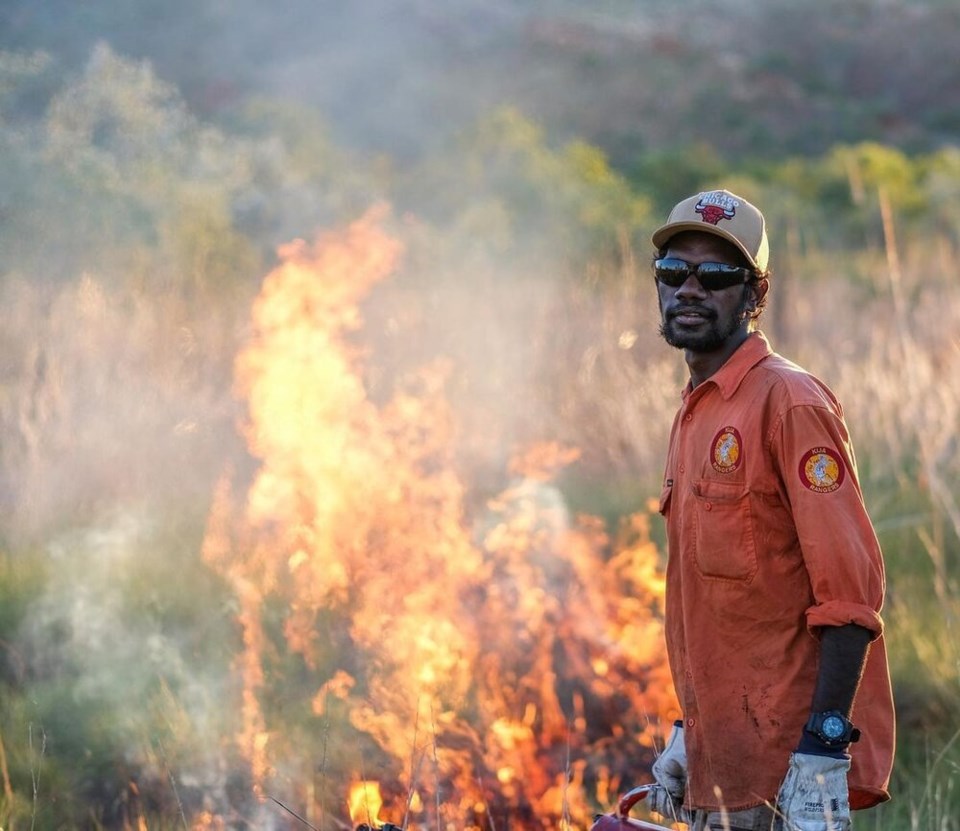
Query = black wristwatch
x=832 y=728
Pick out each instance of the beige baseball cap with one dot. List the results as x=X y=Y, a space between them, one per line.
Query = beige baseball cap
x=722 y=213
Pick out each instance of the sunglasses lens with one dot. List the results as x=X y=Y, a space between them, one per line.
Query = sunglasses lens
x=671 y=272
x=718 y=276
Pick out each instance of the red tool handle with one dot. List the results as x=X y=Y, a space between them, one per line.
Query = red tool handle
x=631 y=798
x=620 y=821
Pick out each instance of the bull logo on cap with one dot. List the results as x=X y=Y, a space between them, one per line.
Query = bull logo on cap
x=715 y=206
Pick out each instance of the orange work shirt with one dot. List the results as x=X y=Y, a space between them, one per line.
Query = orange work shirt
x=769 y=540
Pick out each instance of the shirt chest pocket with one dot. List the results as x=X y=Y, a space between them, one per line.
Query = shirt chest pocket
x=724 y=546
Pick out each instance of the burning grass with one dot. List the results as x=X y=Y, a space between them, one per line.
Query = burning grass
x=506 y=667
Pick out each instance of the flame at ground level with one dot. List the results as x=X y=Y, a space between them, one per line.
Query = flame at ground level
x=364 y=802
x=506 y=667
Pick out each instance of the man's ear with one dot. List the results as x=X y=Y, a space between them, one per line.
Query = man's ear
x=760 y=289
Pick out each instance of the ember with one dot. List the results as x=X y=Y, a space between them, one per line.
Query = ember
x=458 y=671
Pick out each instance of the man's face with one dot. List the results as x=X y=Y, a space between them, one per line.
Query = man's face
x=693 y=318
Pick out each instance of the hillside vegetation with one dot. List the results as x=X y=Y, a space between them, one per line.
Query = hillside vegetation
x=746 y=79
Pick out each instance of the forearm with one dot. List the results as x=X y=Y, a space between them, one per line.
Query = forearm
x=843 y=654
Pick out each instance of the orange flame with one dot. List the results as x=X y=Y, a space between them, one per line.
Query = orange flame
x=364 y=803
x=499 y=666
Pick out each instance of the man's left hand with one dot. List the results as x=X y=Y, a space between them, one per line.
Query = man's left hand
x=814 y=796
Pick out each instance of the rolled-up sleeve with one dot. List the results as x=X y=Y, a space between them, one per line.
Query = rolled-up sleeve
x=839 y=546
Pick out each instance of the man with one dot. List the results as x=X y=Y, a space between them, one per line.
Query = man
x=775 y=578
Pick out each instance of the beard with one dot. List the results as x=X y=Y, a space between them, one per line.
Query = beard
x=707 y=338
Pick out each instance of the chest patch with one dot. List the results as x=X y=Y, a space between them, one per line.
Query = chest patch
x=822 y=470
x=727 y=450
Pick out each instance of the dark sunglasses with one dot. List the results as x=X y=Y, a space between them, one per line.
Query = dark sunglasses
x=712 y=276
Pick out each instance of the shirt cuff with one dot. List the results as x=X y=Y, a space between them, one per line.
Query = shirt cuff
x=842 y=612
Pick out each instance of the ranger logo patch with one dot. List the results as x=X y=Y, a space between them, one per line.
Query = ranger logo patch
x=727 y=450
x=822 y=470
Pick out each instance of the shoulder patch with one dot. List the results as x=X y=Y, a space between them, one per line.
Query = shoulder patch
x=727 y=450
x=822 y=470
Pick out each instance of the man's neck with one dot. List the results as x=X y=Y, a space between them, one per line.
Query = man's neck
x=704 y=364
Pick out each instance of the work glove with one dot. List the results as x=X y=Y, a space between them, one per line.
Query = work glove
x=814 y=796
x=661 y=802
x=670 y=769
x=670 y=772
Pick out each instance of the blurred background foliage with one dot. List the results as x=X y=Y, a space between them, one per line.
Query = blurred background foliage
x=154 y=156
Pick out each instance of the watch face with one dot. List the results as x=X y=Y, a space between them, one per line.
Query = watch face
x=832 y=727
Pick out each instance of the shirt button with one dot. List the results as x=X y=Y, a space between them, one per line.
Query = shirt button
x=691 y=722
x=682 y=468
x=708 y=506
x=688 y=417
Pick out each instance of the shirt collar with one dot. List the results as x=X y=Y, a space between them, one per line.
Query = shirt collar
x=753 y=350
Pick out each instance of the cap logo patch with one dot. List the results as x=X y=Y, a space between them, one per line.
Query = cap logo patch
x=715 y=206
x=727 y=450
x=822 y=470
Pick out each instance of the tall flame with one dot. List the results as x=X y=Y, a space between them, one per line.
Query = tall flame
x=506 y=666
